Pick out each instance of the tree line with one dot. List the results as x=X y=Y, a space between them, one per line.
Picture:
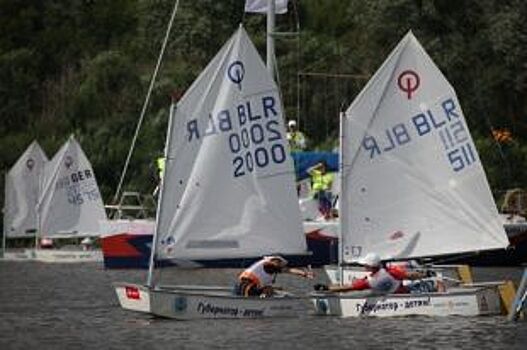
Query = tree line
x=83 y=67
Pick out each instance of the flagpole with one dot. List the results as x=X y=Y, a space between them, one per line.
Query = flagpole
x=270 y=39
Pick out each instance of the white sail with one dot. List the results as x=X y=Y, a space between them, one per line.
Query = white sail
x=228 y=189
x=413 y=183
x=260 y=6
x=21 y=192
x=70 y=203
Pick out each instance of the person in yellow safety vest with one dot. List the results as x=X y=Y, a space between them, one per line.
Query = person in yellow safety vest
x=258 y=279
x=296 y=138
x=321 y=182
x=160 y=163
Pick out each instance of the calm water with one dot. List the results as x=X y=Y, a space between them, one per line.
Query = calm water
x=74 y=307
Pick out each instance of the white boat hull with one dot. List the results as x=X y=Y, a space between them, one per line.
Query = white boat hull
x=205 y=302
x=67 y=256
x=473 y=301
x=202 y=304
x=18 y=255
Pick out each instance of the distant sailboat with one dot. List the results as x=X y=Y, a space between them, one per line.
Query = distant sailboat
x=412 y=186
x=228 y=189
x=21 y=196
x=69 y=205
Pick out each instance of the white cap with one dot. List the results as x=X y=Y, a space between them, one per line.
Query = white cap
x=292 y=123
x=282 y=260
x=87 y=240
x=371 y=259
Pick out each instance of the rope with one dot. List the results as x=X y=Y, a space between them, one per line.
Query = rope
x=147 y=100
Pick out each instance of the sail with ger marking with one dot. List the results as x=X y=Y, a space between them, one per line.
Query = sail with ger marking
x=413 y=182
x=70 y=203
x=21 y=192
x=228 y=189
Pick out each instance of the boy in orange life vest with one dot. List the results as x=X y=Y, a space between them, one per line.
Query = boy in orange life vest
x=381 y=279
x=257 y=279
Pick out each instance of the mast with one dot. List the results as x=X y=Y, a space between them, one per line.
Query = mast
x=153 y=249
x=4 y=211
x=342 y=210
x=270 y=39
x=147 y=100
x=37 y=213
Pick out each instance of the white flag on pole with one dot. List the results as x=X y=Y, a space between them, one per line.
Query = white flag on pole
x=260 y=6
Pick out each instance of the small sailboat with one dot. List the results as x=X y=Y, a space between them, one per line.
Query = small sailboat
x=412 y=186
x=227 y=191
x=21 y=196
x=69 y=206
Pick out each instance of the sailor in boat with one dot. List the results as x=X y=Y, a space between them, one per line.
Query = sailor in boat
x=258 y=279
x=321 y=182
x=390 y=278
x=87 y=243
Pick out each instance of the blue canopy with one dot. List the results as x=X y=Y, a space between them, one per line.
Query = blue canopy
x=305 y=160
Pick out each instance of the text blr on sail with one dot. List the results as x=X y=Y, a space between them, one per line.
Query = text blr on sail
x=253 y=131
x=443 y=119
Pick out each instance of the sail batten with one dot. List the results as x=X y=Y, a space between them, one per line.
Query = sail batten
x=413 y=182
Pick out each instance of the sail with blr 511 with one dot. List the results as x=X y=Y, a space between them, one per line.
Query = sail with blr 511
x=228 y=189
x=412 y=186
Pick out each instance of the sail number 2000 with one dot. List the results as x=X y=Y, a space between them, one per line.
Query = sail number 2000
x=264 y=150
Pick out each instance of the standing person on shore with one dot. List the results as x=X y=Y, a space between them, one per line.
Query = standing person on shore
x=295 y=137
x=321 y=183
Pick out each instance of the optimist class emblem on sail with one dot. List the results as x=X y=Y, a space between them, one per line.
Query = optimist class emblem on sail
x=408 y=82
x=236 y=71
x=251 y=127
x=30 y=163
x=443 y=119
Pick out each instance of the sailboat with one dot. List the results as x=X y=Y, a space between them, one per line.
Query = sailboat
x=21 y=195
x=228 y=189
x=412 y=186
x=69 y=206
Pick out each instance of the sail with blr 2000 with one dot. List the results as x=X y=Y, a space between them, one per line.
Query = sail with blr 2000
x=413 y=184
x=227 y=191
x=228 y=188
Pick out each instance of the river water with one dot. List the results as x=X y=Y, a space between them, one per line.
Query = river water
x=52 y=306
